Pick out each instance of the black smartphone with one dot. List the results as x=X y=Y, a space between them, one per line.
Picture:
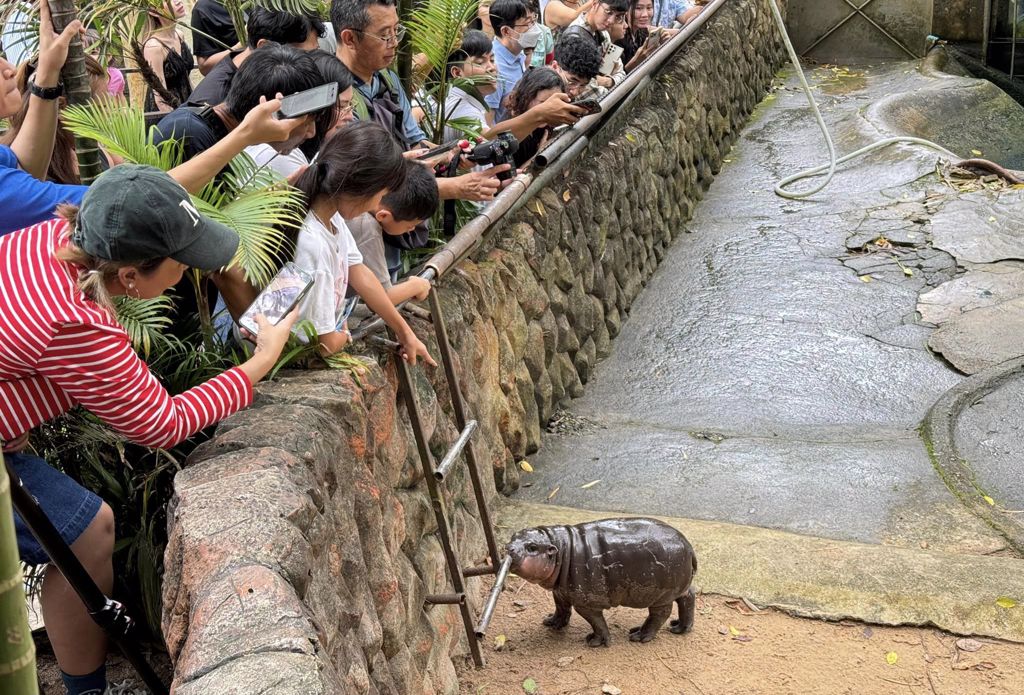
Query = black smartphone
x=588 y=102
x=439 y=149
x=315 y=99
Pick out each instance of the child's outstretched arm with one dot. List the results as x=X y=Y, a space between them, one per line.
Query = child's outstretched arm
x=372 y=292
x=411 y=288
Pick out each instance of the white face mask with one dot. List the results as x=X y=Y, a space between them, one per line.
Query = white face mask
x=530 y=37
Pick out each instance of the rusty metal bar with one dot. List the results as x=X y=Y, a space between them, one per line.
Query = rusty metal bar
x=446 y=463
x=492 y=600
x=444 y=530
x=461 y=421
x=444 y=599
x=479 y=571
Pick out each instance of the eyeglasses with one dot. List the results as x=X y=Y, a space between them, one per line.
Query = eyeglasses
x=389 y=39
x=345 y=109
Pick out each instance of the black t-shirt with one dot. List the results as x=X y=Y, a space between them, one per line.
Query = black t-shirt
x=209 y=18
x=214 y=87
x=196 y=134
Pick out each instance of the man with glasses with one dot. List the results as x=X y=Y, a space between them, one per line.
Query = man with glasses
x=594 y=24
x=514 y=24
x=578 y=62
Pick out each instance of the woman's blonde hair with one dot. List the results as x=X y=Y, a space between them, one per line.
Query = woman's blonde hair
x=96 y=272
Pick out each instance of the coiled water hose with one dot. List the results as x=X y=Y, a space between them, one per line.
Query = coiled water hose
x=829 y=170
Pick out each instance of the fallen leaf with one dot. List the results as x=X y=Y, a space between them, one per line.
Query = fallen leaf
x=499 y=643
x=742 y=638
x=733 y=631
x=609 y=689
x=908 y=272
x=984 y=666
x=592 y=483
x=631 y=137
x=992 y=218
x=866 y=278
x=525 y=465
x=891 y=658
x=1005 y=602
x=566 y=196
x=566 y=661
x=538 y=207
x=530 y=685
x=555 y=491
x=968 y=645
x=519 y=604
x=991 y=502
x=976 y=153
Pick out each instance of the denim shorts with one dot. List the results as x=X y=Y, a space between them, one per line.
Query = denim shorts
x=69 y=506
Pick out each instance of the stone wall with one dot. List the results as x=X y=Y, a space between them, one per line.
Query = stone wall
x=302 y=541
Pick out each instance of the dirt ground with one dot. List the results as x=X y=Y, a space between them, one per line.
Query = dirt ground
x=733 y=650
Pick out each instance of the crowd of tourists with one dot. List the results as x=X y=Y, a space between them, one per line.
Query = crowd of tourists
x=524 y=68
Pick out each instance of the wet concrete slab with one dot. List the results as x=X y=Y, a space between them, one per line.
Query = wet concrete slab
x=764 y=377
x=989 y=435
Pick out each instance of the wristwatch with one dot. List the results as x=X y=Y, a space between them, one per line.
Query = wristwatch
x=48 y=93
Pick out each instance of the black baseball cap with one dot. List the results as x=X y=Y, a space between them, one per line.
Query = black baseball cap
x=138 y=213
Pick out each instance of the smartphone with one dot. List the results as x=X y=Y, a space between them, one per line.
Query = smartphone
x=288 y=288
x=591 y=104
x=315 y=99
x=440 y=149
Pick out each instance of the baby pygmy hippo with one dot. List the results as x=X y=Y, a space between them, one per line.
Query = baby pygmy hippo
x=640 y=563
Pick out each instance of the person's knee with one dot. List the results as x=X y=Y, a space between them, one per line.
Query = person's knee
x=97 y=541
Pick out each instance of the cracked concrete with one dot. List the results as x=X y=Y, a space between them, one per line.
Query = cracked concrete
x=775 y=372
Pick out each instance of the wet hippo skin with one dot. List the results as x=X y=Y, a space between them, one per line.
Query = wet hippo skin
x=639 y=563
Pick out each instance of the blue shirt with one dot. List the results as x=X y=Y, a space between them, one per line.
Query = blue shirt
x=24 y=200
x=666 y=11
x=413 y=133
x=511 y=68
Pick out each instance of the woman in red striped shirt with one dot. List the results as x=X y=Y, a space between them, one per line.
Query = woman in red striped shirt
x=61 y=345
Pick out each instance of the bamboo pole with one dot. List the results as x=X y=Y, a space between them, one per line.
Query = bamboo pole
x=17 y=651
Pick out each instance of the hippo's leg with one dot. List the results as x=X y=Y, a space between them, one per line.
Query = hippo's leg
x=656 y=617
x=687 y=604
x=563 y=611
x=600 y=637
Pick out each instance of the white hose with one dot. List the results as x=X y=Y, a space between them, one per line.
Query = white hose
x=830 y=169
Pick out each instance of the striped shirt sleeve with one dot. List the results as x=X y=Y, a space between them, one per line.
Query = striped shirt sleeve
x=29 y=402
x=96 y=366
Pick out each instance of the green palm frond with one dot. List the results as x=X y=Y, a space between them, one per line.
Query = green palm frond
x=121 y=130
x=435 y=30
x=252 y=201
x=144 y=320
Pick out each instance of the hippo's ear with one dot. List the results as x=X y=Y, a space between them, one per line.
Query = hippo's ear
x=551 y=550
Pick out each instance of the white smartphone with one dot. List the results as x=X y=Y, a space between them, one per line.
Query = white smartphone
x=288 y=288
x=609 y=59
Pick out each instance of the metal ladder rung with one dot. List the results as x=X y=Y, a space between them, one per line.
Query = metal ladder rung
x=478 y=571
x=492 y=600
x=446 y=463
x=445 y=599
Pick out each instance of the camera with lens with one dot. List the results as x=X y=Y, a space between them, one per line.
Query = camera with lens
x=498 y=151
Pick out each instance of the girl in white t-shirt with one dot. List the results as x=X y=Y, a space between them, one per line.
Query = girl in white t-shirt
x=353 y=171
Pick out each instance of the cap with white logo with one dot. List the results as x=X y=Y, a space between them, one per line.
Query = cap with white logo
x=139 y=213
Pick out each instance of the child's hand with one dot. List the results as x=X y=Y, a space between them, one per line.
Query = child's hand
x=413 y=347
x=420 y=286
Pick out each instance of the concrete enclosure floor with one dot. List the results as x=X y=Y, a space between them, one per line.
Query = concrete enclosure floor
x=774 y=372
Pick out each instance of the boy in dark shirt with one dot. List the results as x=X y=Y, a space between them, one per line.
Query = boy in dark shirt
x=213 y=34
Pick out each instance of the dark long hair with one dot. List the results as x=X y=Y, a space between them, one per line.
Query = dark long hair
x=361 y=160
x=533 y=83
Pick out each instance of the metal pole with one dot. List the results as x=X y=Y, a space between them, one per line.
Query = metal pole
x=459 y=408
x=1013 y=44
x=453 y=453
x=492 y=600
x=107 y=613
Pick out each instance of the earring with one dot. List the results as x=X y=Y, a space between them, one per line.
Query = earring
x=131 y=286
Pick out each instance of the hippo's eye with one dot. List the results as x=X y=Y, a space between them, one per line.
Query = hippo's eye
x=532 y=547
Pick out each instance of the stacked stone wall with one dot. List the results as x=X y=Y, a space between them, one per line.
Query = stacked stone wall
x=302 y=540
